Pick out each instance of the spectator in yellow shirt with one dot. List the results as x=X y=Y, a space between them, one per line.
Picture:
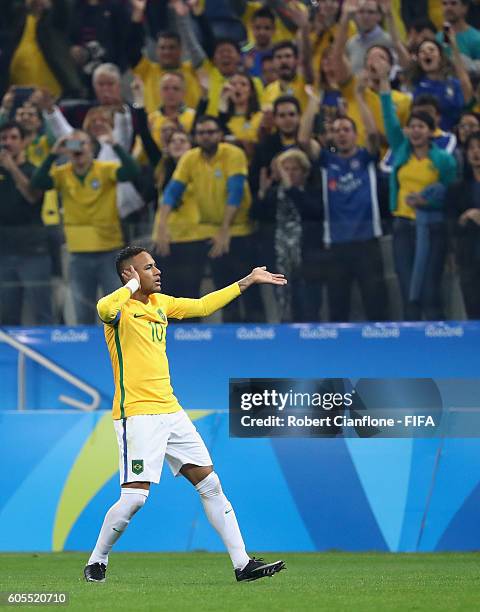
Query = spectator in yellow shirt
x=217 y=173
x=169 y=59
x=240 y=115
x=283 y=10
x=215 y=69
x=91 y=221
x=290 y=82
x=183 y=228
x=173 y=110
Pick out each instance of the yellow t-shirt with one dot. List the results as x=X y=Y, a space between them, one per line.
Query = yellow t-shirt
x=136 y=339
x=208 y=177
x=413 y=177
x=245 y=129
x=90 y=215
x=401 y=101
x=294 y=88
x=281 y=31
x=151 y=73
x=184 y=221
x=28 y=66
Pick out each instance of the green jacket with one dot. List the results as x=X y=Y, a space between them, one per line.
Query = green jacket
x=402 y=150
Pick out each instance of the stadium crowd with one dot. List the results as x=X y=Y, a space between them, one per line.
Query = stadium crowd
x=335 y=142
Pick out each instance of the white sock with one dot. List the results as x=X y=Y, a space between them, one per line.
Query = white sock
x=220 y=513
x=116 y=521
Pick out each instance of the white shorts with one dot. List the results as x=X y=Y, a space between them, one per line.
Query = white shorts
x=145 y=440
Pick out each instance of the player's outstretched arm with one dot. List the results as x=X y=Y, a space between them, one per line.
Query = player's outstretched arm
x=109 y=307
x=182 y=308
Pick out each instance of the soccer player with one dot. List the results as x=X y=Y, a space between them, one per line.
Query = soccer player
x=149 y=422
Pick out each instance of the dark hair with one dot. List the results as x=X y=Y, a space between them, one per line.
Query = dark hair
x=465 y=2
x=205 y=118
x=285 y=44
x=124 y=255
x=226 y=41
x=346 y=118
x=253 y=105
x=12 y=125
x=469 y=114
x=424 y=118
x=445 y=64
x=171 y=35
x=427 y=100
x=387 y=50
x=468 y=170
x=286 y=100
x=423 y=24
x=263 y=13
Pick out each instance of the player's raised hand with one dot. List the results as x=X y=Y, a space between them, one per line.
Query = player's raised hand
x=130 y=273
x=261 y=276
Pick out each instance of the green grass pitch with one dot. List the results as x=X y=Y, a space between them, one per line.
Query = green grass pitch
x=197 y=582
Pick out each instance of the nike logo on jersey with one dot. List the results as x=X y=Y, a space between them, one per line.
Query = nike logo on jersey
x=227 y=511
x=117 y=530
x=136 y=316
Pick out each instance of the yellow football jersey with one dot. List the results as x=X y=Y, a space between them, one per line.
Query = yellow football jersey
x=245 y=129
x=209 y=178
x=135 y=334
x=413 y=177
x=184 y=221
x=90 y=214
x=276 y=89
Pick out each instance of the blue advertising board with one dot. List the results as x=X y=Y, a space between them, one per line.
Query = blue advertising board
x=315 y=494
